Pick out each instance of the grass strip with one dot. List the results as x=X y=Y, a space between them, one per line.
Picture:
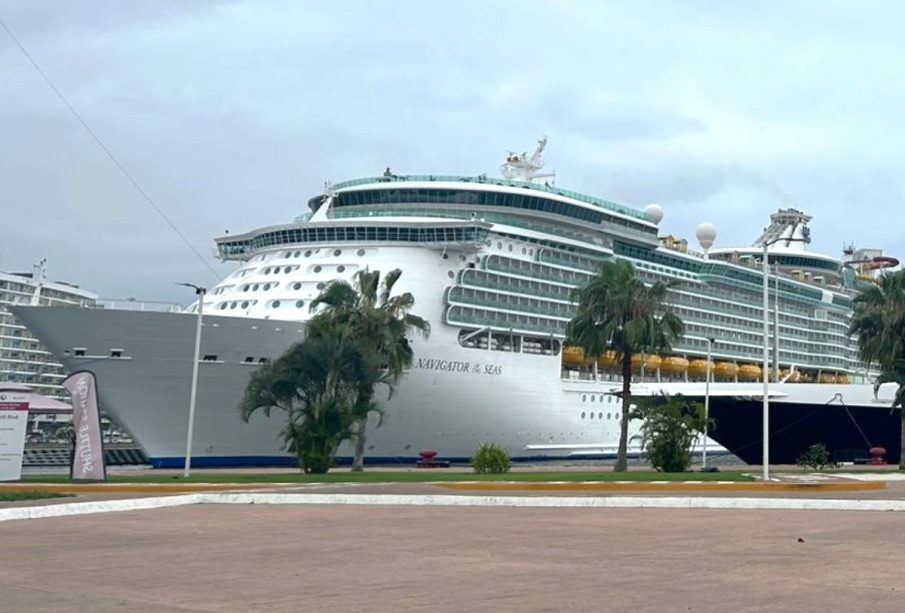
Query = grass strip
x=411 y=476
x=35 y=495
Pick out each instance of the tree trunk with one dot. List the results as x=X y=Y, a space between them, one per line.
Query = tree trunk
x=902 y=440
x=622 y=457
x=358 y=463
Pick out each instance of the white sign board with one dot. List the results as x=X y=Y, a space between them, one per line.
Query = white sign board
x=13 y=420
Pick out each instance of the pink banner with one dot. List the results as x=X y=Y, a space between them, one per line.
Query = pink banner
x=88 y=462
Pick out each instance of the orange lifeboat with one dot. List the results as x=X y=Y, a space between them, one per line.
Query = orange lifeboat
x=725 y=370
x=749 y=372
x=842 y=379
x=698 y=368
x=806 y=378
x=826 y=377
x=674 y=365
x=651 y=362
x=573 y=356
x=608 y=360
x=793 y=377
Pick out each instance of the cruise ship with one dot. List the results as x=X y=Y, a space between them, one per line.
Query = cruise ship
x=491 y=263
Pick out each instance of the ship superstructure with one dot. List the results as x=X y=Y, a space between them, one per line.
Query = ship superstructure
x=491 y=263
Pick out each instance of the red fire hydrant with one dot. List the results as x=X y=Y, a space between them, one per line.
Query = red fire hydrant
x=876 y=455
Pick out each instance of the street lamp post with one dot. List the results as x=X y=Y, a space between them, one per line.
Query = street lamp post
x=200 y=292
x=706 y=404
x=805 y=238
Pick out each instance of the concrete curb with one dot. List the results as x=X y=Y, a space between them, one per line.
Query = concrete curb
x=620 y=502
x=98 y=506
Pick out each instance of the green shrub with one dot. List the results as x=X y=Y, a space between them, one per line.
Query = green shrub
x=490 y=458
x=671 y=426
x=816 y=458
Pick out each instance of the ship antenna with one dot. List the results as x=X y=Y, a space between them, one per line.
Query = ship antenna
x=520 y=167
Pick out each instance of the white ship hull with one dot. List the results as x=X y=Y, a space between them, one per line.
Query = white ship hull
x=451 y=400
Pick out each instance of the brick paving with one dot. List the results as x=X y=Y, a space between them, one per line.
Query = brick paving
x=342 y=558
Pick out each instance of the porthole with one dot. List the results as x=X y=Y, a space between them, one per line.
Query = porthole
x=600 y=415
x=308 y=254
x=510 y=248
x=296 y=254
x=499 y=245
x=288 y=254
x=245 y=304
x=267 y=271
x=223 y=306
x=338 y=252
x=266 y=287
x=450 y=274
x=232 y=305
x=593 y=397
x=275 y=304
x=524 y=251
x=317 y=269
x=583 y=414
x=584 y=397
x=592 y=415
x=255 y=287
x=287 y=270
x=340 y=269
x=609 y=416
x=244 y=288
x=299 y=303
x=321 y=285
x=360 y=252
x=296 y=286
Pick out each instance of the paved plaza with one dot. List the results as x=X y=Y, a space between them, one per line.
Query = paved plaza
x=391 y=558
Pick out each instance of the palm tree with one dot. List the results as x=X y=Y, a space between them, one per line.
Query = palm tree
x=316 y=382
x=383 y=324
x=879 y=324
x=617 y=311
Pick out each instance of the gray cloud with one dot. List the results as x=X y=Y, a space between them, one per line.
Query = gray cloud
x=232 y=114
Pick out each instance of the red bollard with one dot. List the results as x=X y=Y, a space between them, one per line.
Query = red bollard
x=876 y=455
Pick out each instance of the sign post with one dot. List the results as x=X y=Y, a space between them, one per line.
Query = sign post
x=13 y=426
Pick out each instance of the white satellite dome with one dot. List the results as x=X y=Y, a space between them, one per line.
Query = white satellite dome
x=654 y=212
x=706 y=234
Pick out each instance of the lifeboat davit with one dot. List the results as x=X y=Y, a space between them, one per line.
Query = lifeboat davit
x=674 y=365
x=793 y=377
x=608 y=360
x=725 y=370
x=749 y=372
x=573 y=356
x=698 y=368
x=651 y=362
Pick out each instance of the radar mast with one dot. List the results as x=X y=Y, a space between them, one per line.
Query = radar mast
x=520 y=167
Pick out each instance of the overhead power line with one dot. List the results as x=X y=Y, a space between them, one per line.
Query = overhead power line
x=107 y=151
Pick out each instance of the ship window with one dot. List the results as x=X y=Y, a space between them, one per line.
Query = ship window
x=583 y=414
x=584 y=397
x=244 y=288
x=320 y=285
x=296 y=286
x=451 y=274
x=592 y=415
x=249 y=359
x=232 y=305
x=116 y=353
x=210 y=357
x=255 y=287
x=223 y=306
x=245 y=304
x=592 y=397
x=317 y=269
x=288 y=269
x=361 y=252
x=308 y=254
x=600 y=415
x=267 y=271
x=263 y=360
x=340 y=269
x=299 y=303
x=266 y=287
x=276 y=304
x=609 y=416
x=338 y=252
x=296 y=254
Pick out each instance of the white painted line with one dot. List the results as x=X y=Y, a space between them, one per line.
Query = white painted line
x=659 y=502
x=97 y=506
x=622 y=502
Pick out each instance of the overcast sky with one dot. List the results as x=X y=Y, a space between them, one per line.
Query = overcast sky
x=232 y=114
